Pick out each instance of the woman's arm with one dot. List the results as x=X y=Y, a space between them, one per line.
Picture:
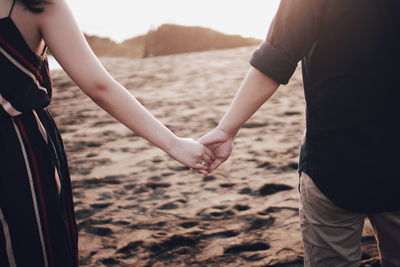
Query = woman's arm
x=68 y=45
x=255 y=90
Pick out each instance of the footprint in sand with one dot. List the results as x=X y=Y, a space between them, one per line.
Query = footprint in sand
x=260 y=223
x=187 y=225
x=154 y=178
x=270 y=189
x=179 y=169
x=169 y=206
x=100 y=231
x=212 y=215
x=84 y=213
x=245 y=191
x=130 y=248
x=227 y=185
x=99 y=206
x=173 y=242
x=246 y=247
x=277 y=209
x=239 y=207
x=251 y=125
x=110 y=262
x=209 y=178
x=155 y=186
x=223 y=234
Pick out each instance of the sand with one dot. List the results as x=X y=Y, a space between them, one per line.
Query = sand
x=137 y=207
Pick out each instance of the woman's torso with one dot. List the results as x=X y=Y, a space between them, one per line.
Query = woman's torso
x=26 y=22
x=25 y=81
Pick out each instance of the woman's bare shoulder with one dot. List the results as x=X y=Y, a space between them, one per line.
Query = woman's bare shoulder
x=5 y=7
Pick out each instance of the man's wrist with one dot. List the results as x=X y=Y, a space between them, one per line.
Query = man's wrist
x=228 y=131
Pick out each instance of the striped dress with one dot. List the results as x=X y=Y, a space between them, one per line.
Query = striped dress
x=37 y=223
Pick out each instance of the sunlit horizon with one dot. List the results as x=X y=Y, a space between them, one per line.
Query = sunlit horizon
x=124 y=19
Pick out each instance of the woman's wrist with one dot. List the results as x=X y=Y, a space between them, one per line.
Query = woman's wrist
x=170 y=143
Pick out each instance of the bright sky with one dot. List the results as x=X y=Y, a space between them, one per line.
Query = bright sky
x=123 y=19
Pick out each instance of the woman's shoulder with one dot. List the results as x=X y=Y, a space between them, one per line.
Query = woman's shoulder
x=53 y=8
x=5 y=8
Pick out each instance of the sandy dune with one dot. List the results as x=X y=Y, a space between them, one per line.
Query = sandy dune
x=168 y=39
x=137 y=207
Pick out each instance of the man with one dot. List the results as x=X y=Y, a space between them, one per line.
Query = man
x=349 y=158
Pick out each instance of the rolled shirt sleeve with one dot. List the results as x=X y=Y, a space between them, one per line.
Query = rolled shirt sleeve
x=291 y=36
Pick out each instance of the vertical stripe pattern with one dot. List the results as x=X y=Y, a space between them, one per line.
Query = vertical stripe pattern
x=37 y=219
x=8 y=107
x=8 y=242
x=34 y=198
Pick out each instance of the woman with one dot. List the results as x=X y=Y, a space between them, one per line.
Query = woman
x=37 y=225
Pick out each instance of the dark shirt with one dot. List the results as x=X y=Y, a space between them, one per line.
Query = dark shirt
x=350 y=61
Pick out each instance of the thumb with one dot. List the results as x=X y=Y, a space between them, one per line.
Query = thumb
x=211 y=138
x=215 y=165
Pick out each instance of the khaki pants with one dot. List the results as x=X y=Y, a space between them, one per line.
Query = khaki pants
x=332 y=236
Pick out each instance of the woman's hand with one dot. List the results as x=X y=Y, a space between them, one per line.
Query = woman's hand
x=191 y=154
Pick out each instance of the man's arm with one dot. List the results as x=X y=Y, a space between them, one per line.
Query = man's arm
x=292 y=34
x=255 y=90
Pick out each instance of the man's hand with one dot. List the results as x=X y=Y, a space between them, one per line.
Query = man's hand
x=220 y=143
x=192 y=154
x=256 y=88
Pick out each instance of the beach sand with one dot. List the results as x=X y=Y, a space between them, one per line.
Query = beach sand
x=137 y=207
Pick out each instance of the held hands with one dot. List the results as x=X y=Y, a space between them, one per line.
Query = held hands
x=192 y=154
x=220 y=143
x=205 y=155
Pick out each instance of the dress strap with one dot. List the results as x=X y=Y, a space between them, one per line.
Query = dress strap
x=44 y=50
x=12 y=7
